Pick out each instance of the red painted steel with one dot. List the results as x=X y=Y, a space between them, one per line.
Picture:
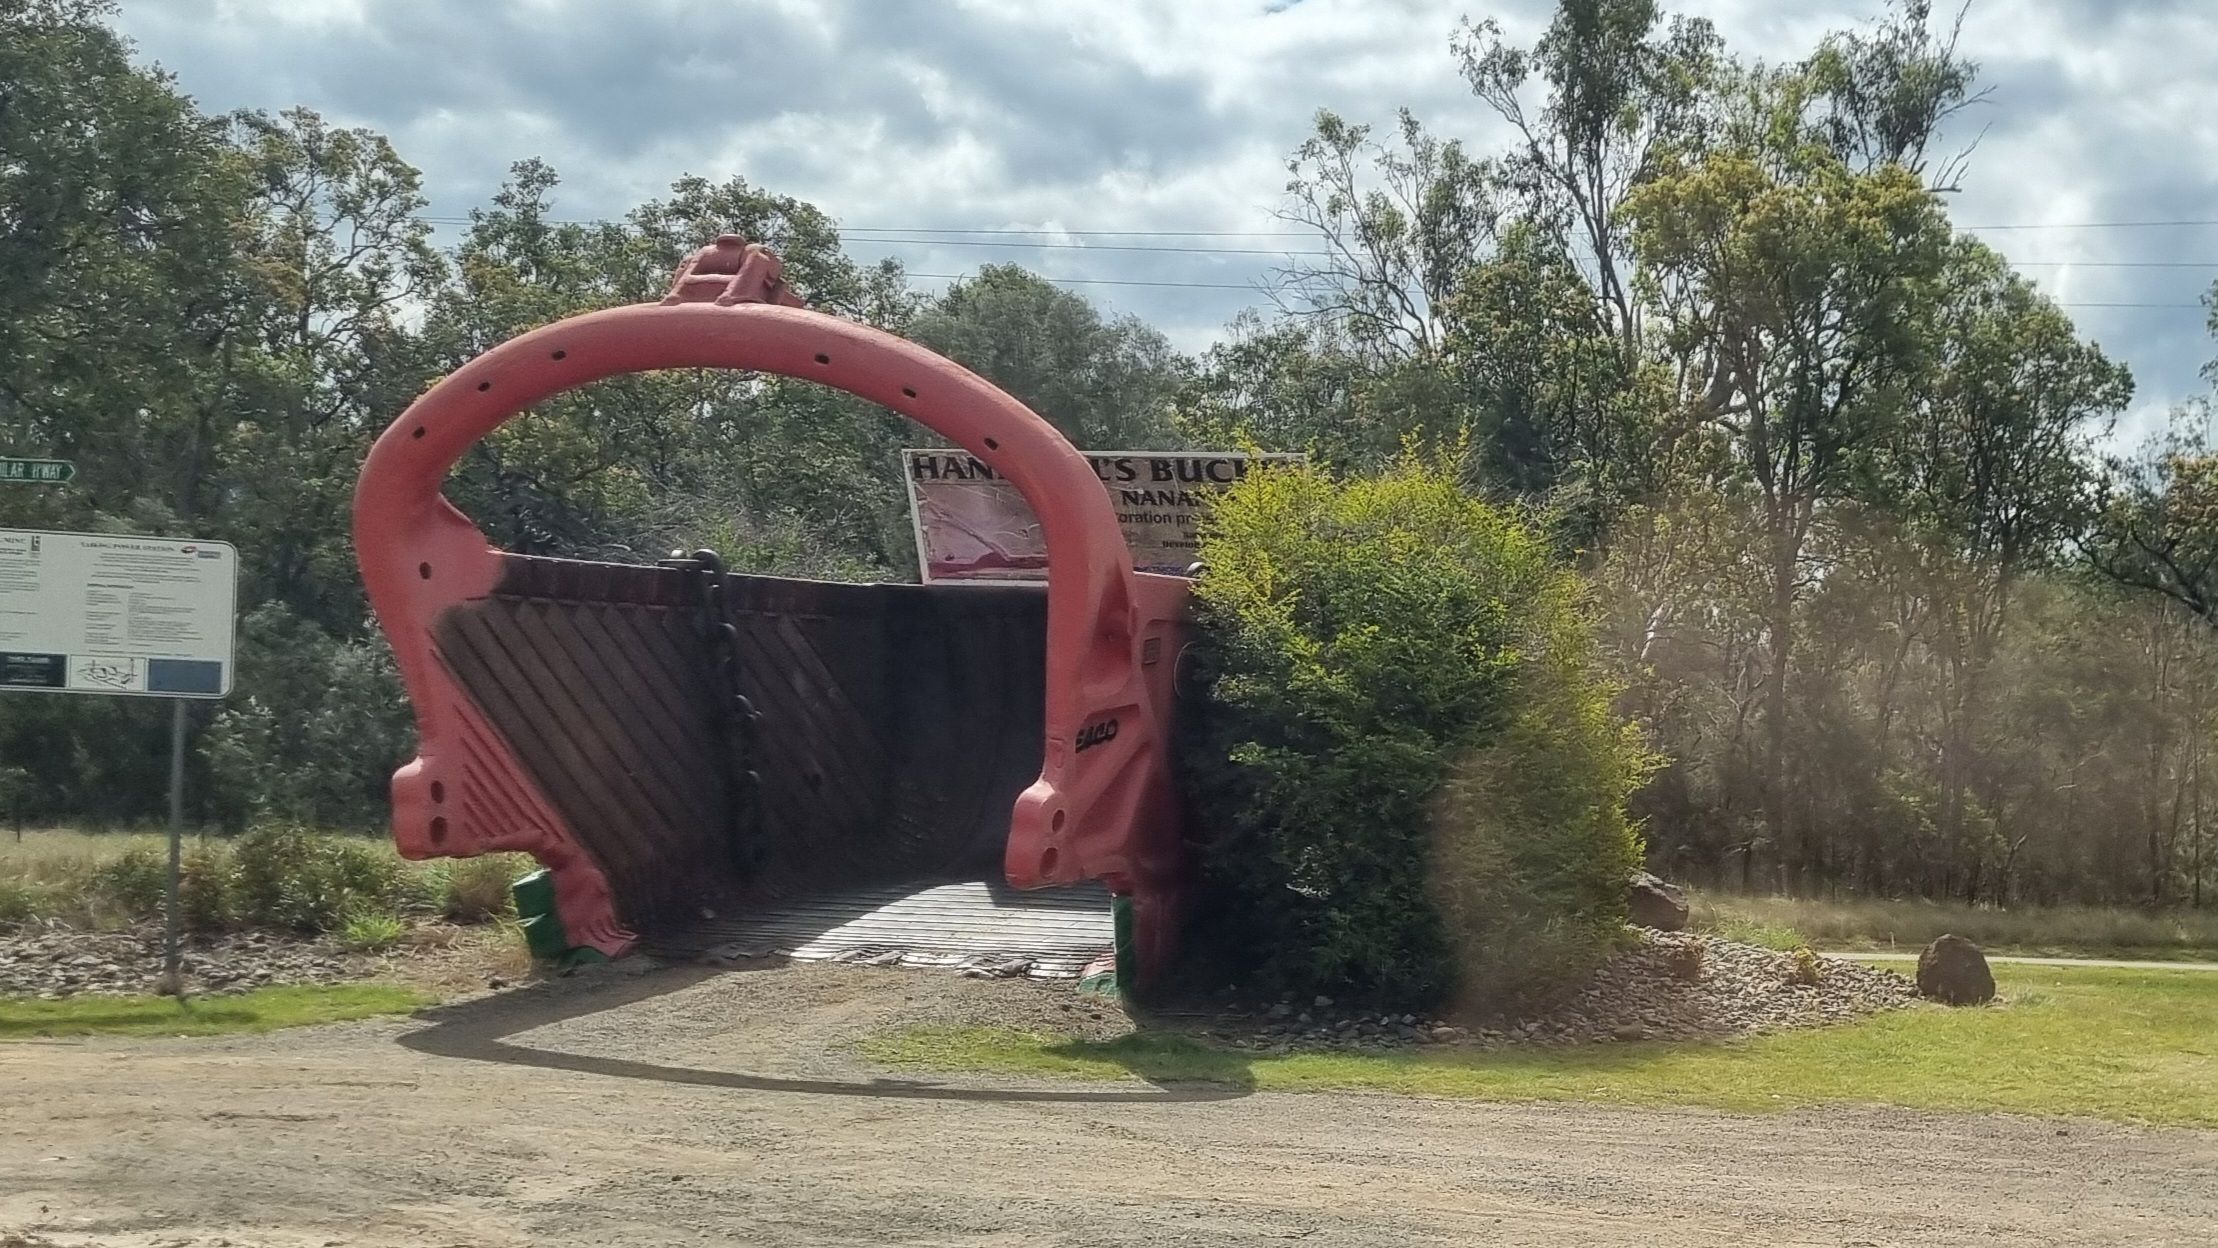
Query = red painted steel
x=1102 y=808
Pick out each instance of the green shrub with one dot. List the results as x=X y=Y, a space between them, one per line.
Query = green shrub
x=478 y=888
x=423 y=887
x=1532 y=846
x=290 y=877
x=208 y=889
x=369 y=931
x=22 y=901
x=1404 y=754
x=1805 y=969
x=133 y=884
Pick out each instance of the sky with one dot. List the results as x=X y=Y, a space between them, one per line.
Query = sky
x=929 y=130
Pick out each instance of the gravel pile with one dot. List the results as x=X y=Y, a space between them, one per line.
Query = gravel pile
x=1659 y=990
x=52 y=961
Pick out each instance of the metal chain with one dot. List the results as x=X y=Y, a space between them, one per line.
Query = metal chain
x=737 y=717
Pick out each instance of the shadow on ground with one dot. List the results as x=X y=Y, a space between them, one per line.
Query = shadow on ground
x=478 y=1030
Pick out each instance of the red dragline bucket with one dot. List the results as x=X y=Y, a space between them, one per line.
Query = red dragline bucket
x=701 y=757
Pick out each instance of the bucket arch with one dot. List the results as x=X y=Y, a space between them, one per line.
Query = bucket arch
x=1101 y=806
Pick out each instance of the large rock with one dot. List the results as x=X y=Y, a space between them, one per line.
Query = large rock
x=1952 y=969
x=1649 y=902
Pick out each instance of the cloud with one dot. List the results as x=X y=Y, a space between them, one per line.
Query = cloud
x=1162 y=115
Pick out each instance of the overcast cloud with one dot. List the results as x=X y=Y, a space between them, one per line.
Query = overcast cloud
x=1171 y=115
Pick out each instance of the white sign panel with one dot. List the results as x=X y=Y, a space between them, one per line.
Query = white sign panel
x=971 y=525
x=105 y=613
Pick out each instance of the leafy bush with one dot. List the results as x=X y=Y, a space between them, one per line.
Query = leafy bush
x=133 y=884
x=22 y=901
x=368 y=931
x=208 y=889
x=1404 y=753
x=290 y=877
x=478 y=888
x=1805 y=969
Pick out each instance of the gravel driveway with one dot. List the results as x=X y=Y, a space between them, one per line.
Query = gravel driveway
x=680 y=1107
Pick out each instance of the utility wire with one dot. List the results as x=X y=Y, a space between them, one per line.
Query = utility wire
x=1101 y=281
x=1104 y=281
x=1063 y=231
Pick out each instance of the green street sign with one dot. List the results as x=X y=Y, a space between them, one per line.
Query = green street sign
x=37 y=471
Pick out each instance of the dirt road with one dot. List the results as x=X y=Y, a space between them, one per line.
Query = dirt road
x=679 y=1108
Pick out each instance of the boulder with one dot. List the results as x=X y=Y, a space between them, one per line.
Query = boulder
x=1953 y=970
x=1649 y=902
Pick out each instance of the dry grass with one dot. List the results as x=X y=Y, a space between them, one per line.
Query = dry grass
x=1784 y=922
x=446 y=959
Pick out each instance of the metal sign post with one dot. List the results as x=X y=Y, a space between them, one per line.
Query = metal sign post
x=173 y=980
x=123 y=615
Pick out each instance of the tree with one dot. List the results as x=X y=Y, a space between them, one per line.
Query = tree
x=1106 y=383
x=2156 y=525
x=1621 y=96
x=1399 y=226
x=1807 y=284
x=1989 y=470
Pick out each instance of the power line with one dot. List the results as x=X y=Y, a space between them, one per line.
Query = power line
x=1100 y=281
x=2090 y=225
x=1072 y=231
x=909 y=241
x=918 y=229
x=1105 y=281
x=1199 y=251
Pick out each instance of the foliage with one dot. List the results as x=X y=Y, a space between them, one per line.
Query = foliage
x=478 y=888
x=1805 y=969
x=1107 y=384
x=276 y=875
x=290 y=877
x=133 y=884
x=208 y=888
x=1358 y=643
x=368 y=931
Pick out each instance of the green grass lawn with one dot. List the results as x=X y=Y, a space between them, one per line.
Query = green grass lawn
x=265 y=1009
x=2131 y=1045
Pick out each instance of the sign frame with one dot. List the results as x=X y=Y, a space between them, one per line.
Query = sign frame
x=229 y=661
x=909 y=481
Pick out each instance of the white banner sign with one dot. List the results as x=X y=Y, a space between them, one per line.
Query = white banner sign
x=971 y=525
x=102 y=613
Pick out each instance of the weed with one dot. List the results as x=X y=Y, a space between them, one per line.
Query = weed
x=368 y=931
x=132 y=885
x=1685 y=961
x=1807 y=970
x=478 y=888
x=208 y=888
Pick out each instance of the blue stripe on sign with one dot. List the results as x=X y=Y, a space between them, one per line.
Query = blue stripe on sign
x=184 y=676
